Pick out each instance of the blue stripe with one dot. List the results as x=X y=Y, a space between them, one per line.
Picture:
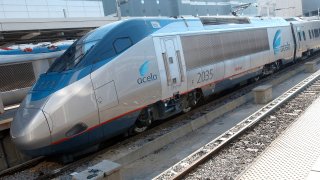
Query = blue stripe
x=88 y=139
x=136 y=29
x=36 y=50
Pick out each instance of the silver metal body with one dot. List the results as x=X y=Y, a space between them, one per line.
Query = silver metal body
x=175 y=60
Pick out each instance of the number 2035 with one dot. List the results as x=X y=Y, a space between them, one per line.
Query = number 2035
x=205 y=75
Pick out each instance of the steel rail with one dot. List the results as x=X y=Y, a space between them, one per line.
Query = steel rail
x=22 y=166
x=182 y=168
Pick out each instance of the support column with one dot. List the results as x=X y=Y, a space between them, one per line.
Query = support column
x=262 y=94
x=310 y=67
x=1 y=105
x=40 y=67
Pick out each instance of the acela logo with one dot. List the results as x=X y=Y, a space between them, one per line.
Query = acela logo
x=277 y=42
x=143 y=70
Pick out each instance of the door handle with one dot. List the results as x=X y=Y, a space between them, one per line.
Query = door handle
x=99 y=100
x=180 y=66
x=166 y=66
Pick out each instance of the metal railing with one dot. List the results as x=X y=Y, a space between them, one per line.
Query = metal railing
x=17 y=75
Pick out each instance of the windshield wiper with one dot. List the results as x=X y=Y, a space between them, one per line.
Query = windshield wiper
x=83 y=55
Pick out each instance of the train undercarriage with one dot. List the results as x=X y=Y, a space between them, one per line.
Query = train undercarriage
x=184 y=103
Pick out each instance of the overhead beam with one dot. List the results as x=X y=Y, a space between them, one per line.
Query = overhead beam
x=7 y=45
x=41 y=24
x=30 y=35
x=82 y=33
x=21 y=31
x=58 y=40
x=60 y=34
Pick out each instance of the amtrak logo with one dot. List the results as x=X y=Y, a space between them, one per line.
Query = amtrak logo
x=144 y=73
x=144 y=68
x=277 y=42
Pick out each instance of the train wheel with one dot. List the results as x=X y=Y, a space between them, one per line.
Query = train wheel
x=187 y=109
x=137 y=129
x=256 y=79
x=279 y=65
x=185 y=104
x=143 y=122
x=191 y=100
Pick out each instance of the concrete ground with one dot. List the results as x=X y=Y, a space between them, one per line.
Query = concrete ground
x=153 y=164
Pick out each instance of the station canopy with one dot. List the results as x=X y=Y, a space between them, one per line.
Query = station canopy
x=25 y=31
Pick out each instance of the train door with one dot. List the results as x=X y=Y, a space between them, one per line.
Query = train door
x=299 y=41
x=172 y=61
x=297 y=37
x=106 y=98
x=294 y=41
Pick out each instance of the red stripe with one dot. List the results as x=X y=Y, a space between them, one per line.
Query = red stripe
x=229 y=77
x=214 y=82
x=98 y=125
x=119 y=116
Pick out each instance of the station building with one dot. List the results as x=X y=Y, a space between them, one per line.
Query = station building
x=311 y=7
x=283 y=8
x=50 y=8
x=288 y=8
x=169 y=7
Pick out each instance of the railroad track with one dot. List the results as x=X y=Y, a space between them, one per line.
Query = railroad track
x=22 y=166
x=310 y=85
x=226 y=97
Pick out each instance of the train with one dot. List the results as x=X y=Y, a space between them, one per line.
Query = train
x=33 y=52
x=123 y=76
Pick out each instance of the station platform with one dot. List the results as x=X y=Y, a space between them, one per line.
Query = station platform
x=295 y=154
x=7 y=117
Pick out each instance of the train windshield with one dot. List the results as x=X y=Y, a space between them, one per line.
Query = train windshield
x=79 y=49
x=72 y=56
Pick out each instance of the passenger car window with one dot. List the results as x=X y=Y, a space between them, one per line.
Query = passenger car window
x=304 y=35
x=122 y=44
x=316 y=33
x=310 y=34
x=299 y=34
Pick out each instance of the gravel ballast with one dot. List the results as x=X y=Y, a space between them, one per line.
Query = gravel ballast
x=235 y=158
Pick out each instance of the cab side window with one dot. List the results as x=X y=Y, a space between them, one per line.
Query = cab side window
x=310 y=34
x=304 y=35
x=316 y=33
x=299 y=34
x=121 y=44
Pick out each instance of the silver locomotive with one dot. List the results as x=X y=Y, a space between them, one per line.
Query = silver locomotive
x=125 y=75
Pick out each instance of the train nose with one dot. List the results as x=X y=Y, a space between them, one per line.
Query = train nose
x=29 y=129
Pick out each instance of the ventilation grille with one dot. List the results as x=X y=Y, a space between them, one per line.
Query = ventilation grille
x=204 y=49
x=16 y=76
x=223 y=20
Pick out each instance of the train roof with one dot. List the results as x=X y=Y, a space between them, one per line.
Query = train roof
x=303 y=20
x=108 y=41
x=161 y=25
x=214 y=23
